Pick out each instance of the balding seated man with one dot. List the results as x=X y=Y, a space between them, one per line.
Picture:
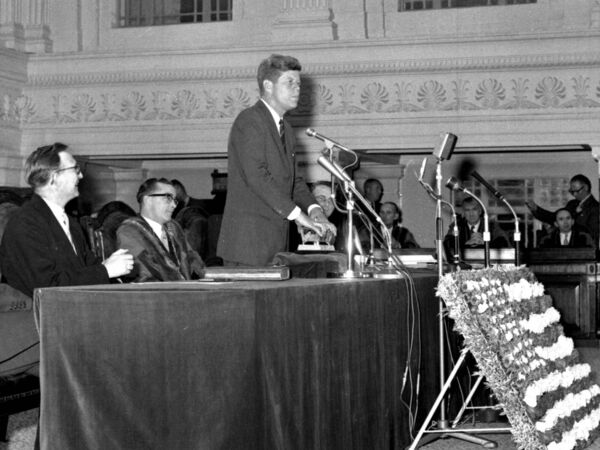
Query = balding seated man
x=42 y=246
x=159 y=247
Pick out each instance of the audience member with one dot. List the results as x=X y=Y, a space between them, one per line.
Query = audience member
x=391 y=215
x=373 y=190
x=264 y=192
x=185 y=201
x=108 y=220
x=566 y=233
x=470 y=231
x=193 y=218
x=158 y=244
x=41 y=245
x=584 y=207
x=324 y=196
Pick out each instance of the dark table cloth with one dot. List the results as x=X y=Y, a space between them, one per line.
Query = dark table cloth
x=297 y=364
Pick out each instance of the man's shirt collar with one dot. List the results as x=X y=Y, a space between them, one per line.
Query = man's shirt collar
x=276 y=117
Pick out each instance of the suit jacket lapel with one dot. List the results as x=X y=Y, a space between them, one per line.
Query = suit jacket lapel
x=274 y=131
x=55 y=227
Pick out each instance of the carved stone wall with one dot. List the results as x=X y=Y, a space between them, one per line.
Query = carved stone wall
x=13 y=75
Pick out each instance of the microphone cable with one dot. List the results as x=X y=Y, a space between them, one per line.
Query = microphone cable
x=19 y=353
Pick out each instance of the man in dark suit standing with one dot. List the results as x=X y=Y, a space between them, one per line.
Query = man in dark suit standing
x=264 y=192
x=41 y=245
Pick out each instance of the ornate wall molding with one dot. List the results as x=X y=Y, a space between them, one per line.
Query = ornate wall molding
x=350 y=68
x=374 y=89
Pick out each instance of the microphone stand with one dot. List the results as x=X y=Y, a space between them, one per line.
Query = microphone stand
x=517 y=235
x=486 y=229
x=456 y=256
x=499 y=196
x=349 y=273
x=444 y=428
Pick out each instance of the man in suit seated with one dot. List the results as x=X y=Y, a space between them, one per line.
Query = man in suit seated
x=566 y=233
x=392 y=218
x=470 y=231
x=41 y=245
x=584 y=207
x=158 y=244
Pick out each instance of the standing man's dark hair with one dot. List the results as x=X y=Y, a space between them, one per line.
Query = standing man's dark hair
x=272 y=67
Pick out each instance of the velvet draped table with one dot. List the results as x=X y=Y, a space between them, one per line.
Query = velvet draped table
x=298 y=364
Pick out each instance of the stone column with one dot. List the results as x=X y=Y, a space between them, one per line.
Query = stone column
x=303 y=20
x=24 y=25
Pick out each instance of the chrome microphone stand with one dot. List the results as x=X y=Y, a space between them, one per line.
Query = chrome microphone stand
x=444 y=429
x=350 y=273
x=499 y=196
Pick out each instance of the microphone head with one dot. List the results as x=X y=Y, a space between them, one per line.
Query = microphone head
x=454 y=184
x=311 y=132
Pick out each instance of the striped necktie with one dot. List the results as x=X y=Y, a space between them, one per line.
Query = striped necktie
x=282 y=133
x=164 y=238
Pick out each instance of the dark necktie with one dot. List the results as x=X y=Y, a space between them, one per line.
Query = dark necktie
x=282 y=133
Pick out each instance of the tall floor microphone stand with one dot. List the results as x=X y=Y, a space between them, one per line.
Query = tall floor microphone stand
x=349 y=273
x=443 y=427
x=499 y=196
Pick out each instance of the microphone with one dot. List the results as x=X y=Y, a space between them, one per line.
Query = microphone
x=489 y=187
x=334 y=169
x=455 y=185
x=328 y=142
x=445 y=147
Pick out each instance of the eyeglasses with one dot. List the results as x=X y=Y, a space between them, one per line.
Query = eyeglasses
x=76 y=167
x=169 y=197
x=575 y=191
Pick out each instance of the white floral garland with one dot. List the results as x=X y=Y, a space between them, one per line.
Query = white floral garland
x=537 y=323
x=562 y=408
x=554 y=380
x=562 y=348
x=580 y=431
x=513 y=315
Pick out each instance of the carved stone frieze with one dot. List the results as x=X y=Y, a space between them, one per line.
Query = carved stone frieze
x=402 y=95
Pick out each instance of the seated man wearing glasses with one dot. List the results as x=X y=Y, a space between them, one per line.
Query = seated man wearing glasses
x=159 y=247
x=583 y=208
x=41 y=245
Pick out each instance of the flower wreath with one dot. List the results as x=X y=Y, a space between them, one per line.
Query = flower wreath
x=509 y=325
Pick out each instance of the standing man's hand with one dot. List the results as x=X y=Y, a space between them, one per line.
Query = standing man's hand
x=317 y=222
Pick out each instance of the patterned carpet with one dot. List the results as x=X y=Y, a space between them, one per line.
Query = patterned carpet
x=21 y=427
